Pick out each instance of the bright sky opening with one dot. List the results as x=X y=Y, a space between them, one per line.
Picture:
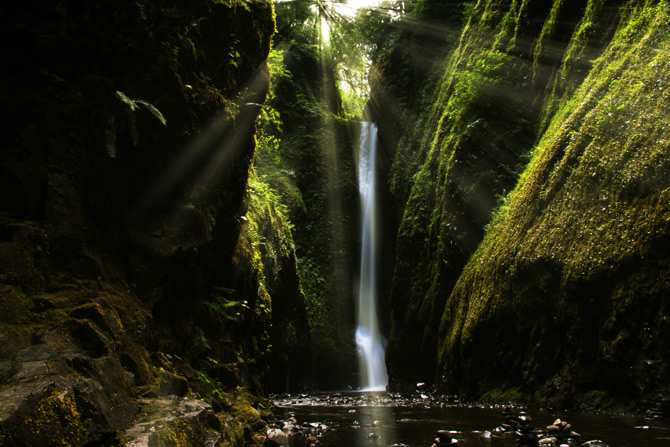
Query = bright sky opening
x=350 y=7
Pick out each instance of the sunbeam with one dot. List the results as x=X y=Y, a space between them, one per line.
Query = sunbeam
x=206 y=158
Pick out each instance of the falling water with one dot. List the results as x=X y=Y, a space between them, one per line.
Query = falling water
x=368 y=338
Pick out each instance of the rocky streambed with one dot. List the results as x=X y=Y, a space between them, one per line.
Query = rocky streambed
x=424 y=420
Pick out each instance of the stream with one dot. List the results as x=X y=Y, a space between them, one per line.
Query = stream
x=382 y=420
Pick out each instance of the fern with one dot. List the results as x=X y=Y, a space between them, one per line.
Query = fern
x=131 y=106
x=154 y=111
x=124 y=99
x=135 y=103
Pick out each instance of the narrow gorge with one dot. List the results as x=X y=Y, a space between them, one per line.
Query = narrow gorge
x=214 y=211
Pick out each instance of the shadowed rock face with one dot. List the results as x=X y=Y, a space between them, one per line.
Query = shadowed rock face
x=84 y=371
x=122 y=186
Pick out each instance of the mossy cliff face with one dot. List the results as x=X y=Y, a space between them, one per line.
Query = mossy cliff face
x=278 y=338
x=128 y=138
x=520 y=71
x=566 y=298
x=407 y=68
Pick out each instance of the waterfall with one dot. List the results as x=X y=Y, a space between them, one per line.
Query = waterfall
x=368 y=338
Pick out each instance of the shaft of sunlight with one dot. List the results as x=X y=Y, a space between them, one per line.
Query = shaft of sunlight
x=325 y=31
x=198 y=167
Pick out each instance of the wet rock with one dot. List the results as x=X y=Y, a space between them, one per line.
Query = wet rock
x=660 y=409
x=525 y=432
x=28 y=371
x=510 y=421
x=37 y=361
x=444 y=437
x=69 y=390
x=560 y=432
x=109 y=378
x=23 y=401
x=11 y=342
x=90 y=397
x=290 y=424
x=274 y=438
x=172 y=421
x=16 y=400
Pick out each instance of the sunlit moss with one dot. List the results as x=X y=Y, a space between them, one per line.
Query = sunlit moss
x=178 y=433
x=56 y=417
x=584 y=228
x=575 y=62
x=469 y=156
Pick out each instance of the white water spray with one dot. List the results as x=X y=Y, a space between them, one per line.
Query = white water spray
x=371 y=350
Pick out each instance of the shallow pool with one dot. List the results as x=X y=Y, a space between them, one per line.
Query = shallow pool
x=379 y=419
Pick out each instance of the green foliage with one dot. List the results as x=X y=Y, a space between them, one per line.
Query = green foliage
x=484 y=70
x=313 y=283
x=222 y=308
x=268 y=122
x=304 y=159
x=267 y=196
x=469 y=10
x=131 y=105
x=234 y=56
x=135 y=103
x=200 y=342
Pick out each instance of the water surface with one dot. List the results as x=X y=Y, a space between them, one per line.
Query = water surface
x=377 y=419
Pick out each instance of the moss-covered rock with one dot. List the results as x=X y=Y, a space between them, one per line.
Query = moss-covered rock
x=561 y=297
x=553 y=101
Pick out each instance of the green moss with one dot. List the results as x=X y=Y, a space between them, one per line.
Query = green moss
x=56 y=417
x=589 y=34
x=546 y=34
x=178 y=433
x=598 y=399
x=591 y=211
x=503 y=395
x=466 y=162
x=13 y=306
